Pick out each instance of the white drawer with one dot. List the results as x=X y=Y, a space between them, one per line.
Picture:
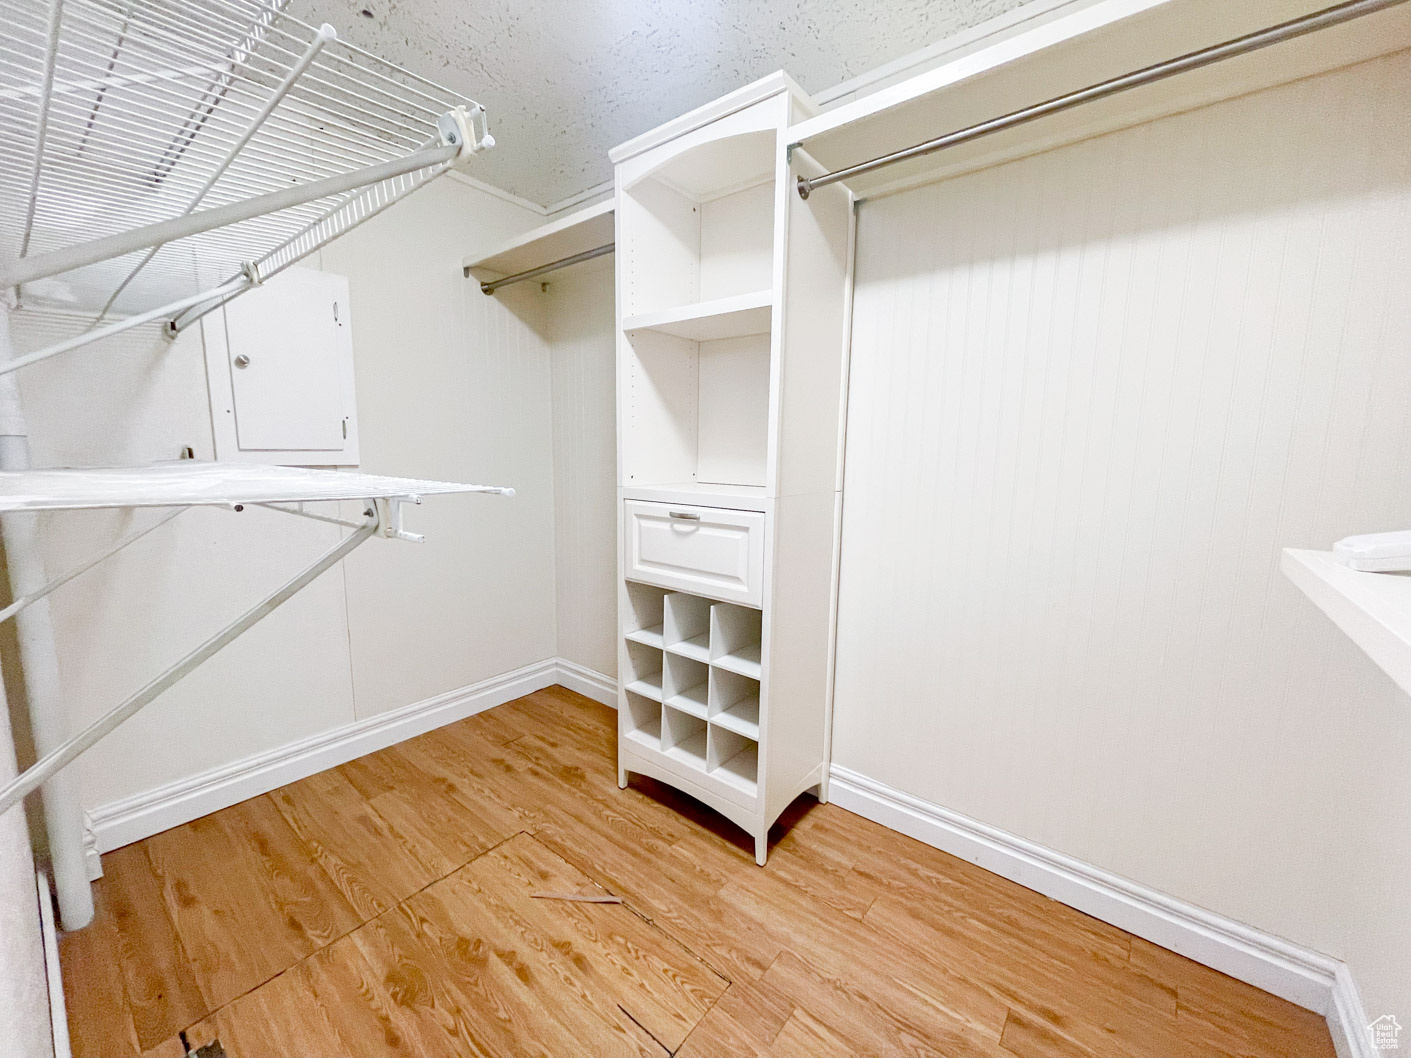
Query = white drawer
x=703 y=550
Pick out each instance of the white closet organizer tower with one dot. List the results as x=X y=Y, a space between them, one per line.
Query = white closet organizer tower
x=731 y=306
x=157 y=159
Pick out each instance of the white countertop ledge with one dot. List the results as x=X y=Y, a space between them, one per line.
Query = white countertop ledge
x=1373 y=609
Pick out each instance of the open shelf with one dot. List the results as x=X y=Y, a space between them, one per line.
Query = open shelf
x=695 y=411
x=683 y=738
x=574 y=233
x=738 y=761
x=697 y=304
x=648 y=686
x=692 y=751
x=685 y=685
x=648 y=735
x=721 y=166
x=643 y=674
x=700 y=235
x=646 y=616
x=742 y=718
x=690 y=700
x=702 y=494
x=708 y=321
x=697 y=647
x=1373 y=609
x=649 y=637
x=734 y=702
x=1068 y=48
x=122 y=117
x=744 y=661
x=643 y=721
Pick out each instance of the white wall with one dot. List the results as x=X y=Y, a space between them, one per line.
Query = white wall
x=1093 y=393
x=582 y=330
x=450 y=384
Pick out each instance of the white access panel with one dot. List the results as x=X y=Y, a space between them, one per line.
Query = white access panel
x=279 y=360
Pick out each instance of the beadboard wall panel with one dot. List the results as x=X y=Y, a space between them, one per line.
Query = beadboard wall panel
x=582 y=330
x=1093 y=393
x=453 y=386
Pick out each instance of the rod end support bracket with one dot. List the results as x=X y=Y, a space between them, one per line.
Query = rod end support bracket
x=389 y=512
x=805 y=188
x=466 y=128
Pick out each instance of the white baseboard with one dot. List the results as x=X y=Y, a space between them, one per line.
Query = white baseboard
x=1347 y=1018
x=130 y=819
x=92 y=858
x=587 y=682
x=1307 y=978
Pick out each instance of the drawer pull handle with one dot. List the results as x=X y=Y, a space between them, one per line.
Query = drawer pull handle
x=685 y=516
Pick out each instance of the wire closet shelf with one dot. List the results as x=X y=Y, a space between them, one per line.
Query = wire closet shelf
x=157 y=157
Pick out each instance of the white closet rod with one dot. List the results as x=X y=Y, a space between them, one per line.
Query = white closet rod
x=28 y=269
x=490 y=286
x=1297 y=27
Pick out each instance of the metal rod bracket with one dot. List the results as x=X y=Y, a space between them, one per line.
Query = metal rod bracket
x=389 y=511
x=491 y=285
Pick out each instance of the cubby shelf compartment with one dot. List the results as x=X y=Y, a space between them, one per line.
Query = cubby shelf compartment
x=684 y=738
x=643 y=675
x=734 y=702
x=708 y=321
x=692 y=664
x=734 y=760
x=742 y=717
x=648 y=686
x=697 y=647
x=745 y=661
x=642 y=722
x=650 y=637
x=735 y=639
x=742 y=770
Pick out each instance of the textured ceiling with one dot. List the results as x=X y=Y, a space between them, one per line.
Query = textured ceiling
x=564 y=81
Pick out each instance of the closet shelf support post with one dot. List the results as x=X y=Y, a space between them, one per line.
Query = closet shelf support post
x=39 y=658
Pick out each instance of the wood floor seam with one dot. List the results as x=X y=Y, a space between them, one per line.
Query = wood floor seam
x=294 y=965
x=628 y=1014
x=854 y=940
x=649 y=920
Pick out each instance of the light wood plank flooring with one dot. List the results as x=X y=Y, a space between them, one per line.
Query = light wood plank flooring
x=387 y=907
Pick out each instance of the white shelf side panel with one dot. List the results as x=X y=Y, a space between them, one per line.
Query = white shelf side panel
x=1373 y=609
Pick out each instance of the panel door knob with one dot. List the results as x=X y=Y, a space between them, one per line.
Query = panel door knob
x=242 y=361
